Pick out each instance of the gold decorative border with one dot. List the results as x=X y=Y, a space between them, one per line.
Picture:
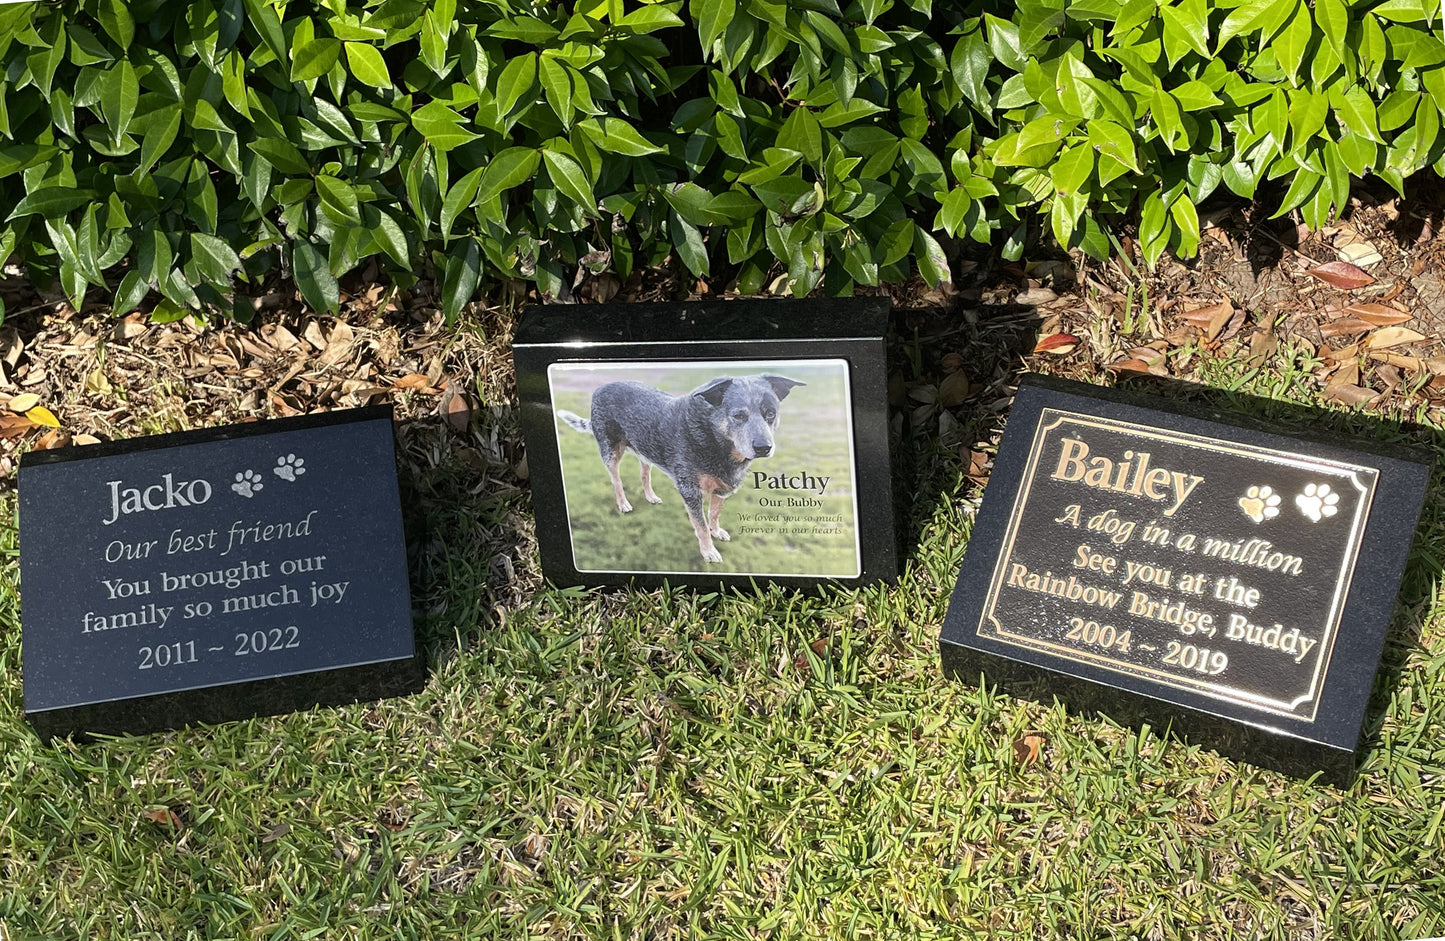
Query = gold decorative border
x=1051 y=419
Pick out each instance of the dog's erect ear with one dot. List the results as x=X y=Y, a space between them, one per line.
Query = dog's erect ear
x=782 y=385
x=713 y=392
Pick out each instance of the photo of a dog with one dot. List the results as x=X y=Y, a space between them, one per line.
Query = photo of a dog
x=734 y=432
x=704 y=440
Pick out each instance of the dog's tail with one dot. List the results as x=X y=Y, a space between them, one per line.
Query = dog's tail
x=583 y=425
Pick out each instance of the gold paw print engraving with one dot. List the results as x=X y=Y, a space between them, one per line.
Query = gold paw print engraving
x=1260 y=503
x=1318 y=501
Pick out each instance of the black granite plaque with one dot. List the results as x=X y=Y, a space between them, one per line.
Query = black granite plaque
x=709 y=442
x=1187 y=569
x=212 y=575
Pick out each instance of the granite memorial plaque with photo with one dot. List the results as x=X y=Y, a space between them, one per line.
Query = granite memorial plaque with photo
x=1187 y=569
x=709 y=442
x=213 y=575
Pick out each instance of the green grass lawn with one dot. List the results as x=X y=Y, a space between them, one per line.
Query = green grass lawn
x=679 y=765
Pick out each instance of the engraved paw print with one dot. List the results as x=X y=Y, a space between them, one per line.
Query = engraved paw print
x=1318 y=501
x=290 y=467
x=1260 y=503
x=248 y=482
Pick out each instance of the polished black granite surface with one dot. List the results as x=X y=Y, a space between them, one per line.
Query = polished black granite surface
x=811 y=505
x=1188 y=569
x=214 y=575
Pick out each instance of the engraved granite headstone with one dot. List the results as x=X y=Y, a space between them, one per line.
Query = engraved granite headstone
x=1187 y=569
x=709 y=442
x=213 y=575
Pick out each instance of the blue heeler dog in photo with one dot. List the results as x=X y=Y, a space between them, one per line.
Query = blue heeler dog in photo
x=703 y=440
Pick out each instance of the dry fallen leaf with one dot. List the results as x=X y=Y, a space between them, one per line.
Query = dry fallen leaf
x=164 y=816
x=1345 y=326
x=1026 y=749
x=1348 y=394
x=1262 y=345
x=819 y=647
x=1359 y=253
x=455 y=408
x=13 y=426
x=1211 y=320
x=338 y=345
x=24 y=402
x=1341 y=274
x=953 y=389
x=1392 y=336
x=1059 y=344
x=414 y=380
x=41 y=415
x=1377 y=314
x=55 y=438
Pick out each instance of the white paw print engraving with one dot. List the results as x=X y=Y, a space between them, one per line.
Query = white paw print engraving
x=1318 y=501
x=247 y=483
x=1260 y=503
x=290 y=467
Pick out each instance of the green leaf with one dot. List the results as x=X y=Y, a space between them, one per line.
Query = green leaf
x=732 y=207
x=785 y=195
x=509 y=168
x=129 y=295
x=263 y=18
x=527 y=29
x=119 y=92
x=1333 y=17
x=651 y=18
x=557 y=85
x=459 y=199
x=801 y=132
x=1074 y=168
x=1186 y=24
x=366 y=63
x=441 y=126
x=1195 y=96
x=318 y=285
x=338 y=199
x=1003 y=39
x=282 y=154
x=115 y=18
x=897 y=242
x=569 y=177
x=463 y=275
x=1168 y=119
x=952 y=209
x=516 y=83
x=712 y=18
x=1116 y=107
x=690 y=246
x=215 y=258
x=51 y=202
x=1290 y=45
x=616 y=136
x=969 y=66
x=1153 y=228
x=1301 y=188
x=932 y=262
x=1355 y=111
x=314 y=59
x=389 y=235
x=1187 y=219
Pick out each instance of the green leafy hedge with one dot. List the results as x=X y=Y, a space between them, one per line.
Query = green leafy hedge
x=167 y=150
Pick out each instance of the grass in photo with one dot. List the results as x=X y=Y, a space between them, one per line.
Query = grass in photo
x=741 y=467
